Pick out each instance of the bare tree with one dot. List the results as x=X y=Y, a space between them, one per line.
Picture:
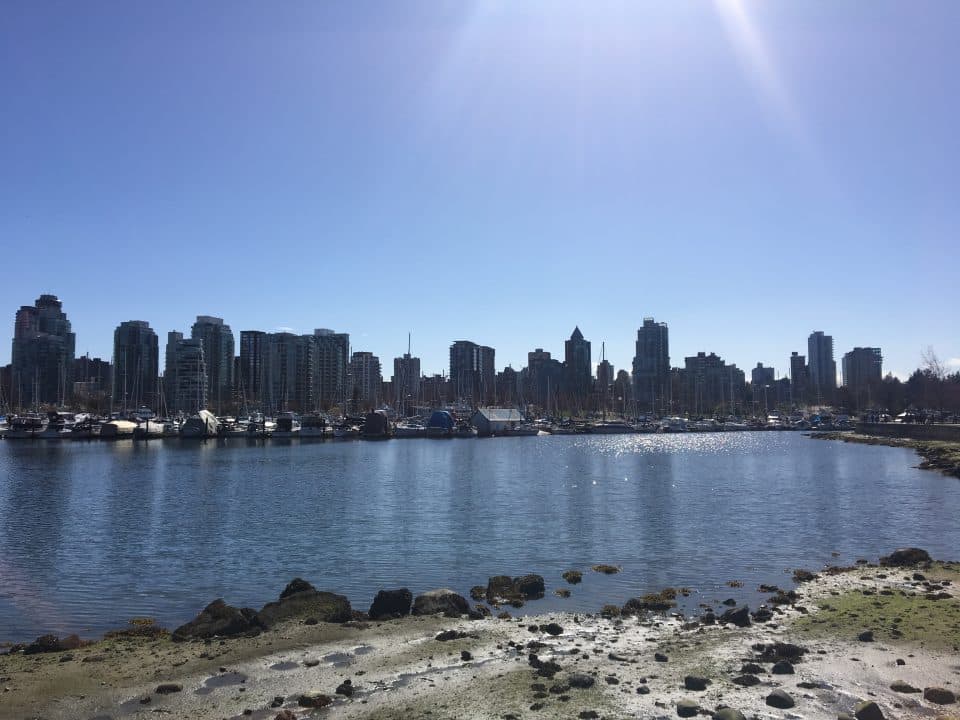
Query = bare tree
x=932 y=364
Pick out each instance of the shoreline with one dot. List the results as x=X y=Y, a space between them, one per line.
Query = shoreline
x=650 y=664
x=940 y=455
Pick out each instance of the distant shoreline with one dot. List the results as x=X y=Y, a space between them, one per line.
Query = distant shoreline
x=938 y=455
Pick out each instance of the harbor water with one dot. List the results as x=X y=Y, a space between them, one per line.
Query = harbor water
x=94 y=533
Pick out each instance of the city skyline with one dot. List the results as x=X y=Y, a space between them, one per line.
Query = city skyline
x=746 y=171
x=780 y=369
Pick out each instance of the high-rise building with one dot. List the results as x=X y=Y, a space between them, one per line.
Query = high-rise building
x=288 y=366
x=651 y=368
x=406 y=381
x=761 y=375
x=487 y=390
x=712 y=386
x=190 y=374
x=136 y=360
x=251 y=378
x=799 y=378
x=170 y=369
x=473 y=374
x=367 y=379
x=331 y=367
x=862 y=375
x=217 y=339
x=578 y=370
x=823 y=368
x=43 y=353
x=541 y=380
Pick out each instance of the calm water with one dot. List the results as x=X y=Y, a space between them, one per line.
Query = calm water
x=92 y=534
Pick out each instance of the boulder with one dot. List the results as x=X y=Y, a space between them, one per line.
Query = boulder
x=903 y=687
x=440 y=601
x=780 y=699
x=939 y=696
x=581 y=681
x=218 y=620
x=762 y=615
x=747 y=680
x=695 y=682
x=687 y=708
x=301 y=600
x=390 y=604
x=782 y=667
x=868 y=710
x=168 y=688
x=739 y=616
x=504 y=588
x=572 y=576
x=728 y=713
x=652 y=602
x=905 y=556
x=775 y=652
x=52 y=643
x=295 y=586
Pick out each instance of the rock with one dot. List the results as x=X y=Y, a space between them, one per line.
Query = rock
x=800 y=576
x=695 y=682
x=762 y=615
x=606 y=569
x=687 y=708
x=865 y=636
x=905 y=556
x=444 y=601
x=708 y=618
x=300 y=599
x=285 y=715
x=311 y=662
x=314 y=699
x=868 y=710
x=580 y=680
x=739 y=616
x=465 y=656
x=728 y=713
x=345 y=688
x=588 y=715
x=572 y=576
x=784 y=667
x=939 y=696
x=903 y=687
x=390 y=604
x=775 y=652
x=504 y=588
x=551 y=628
x=780 y=699
x=296 y=585
x=660 y=657
x=446 y=635
x=901 y=661
x=746 y=680
x=562 y=592
x=478 y=593
x=168 y=688
x=218 y=620
x=751 y=668
x=654 y=602
x=643 y=690
x=52 y=643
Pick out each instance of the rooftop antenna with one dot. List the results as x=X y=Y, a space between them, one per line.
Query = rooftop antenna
x=408 y=342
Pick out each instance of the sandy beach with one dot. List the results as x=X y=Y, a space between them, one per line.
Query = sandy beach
x=812 y=649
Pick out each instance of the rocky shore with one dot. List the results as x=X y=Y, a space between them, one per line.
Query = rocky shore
x=866 y=642
x=937 y=455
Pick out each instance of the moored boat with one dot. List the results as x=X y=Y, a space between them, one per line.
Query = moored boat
x=202 y=425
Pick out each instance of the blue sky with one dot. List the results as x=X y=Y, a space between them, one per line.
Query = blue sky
x=497 y=171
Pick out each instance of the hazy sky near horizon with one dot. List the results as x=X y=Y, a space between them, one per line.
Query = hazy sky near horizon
x=496 y=171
